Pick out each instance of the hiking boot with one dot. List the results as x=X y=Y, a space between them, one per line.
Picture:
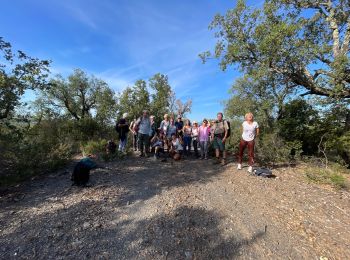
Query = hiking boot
x=223 y=162
x=216 y=161
x=250 y=169
x=239 y=166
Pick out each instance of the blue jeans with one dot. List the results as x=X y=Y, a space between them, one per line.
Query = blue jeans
x=122 y=144
x=204 y=149
x=187 y=143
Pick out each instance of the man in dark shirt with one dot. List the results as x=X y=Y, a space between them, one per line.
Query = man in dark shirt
x=122 y=128
x=179 y=125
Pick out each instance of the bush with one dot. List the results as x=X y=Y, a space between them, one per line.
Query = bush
x=271 y=149
x=98 y=148
x=32 y=151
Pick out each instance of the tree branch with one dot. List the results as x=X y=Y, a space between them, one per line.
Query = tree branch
x=345 y=45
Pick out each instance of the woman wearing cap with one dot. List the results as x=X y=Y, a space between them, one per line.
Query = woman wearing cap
x=122 y=128
x=195 y=140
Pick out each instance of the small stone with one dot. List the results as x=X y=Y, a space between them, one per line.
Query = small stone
x=188 y=254
x=86 y=225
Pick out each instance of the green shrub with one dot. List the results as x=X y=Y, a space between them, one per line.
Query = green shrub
x=330 y=176
x=338 y=180
x=96 y=147
x=34 y=151
x=270 y=149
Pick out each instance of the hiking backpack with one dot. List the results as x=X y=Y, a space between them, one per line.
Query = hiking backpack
x=229 y=128
x=81 y=172
x=263 y=172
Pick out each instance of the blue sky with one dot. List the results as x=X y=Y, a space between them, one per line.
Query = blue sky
x=122 y=41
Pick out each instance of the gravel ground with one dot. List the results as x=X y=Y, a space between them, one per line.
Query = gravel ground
x=137 y=208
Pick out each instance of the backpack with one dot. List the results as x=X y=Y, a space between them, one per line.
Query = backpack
x=80 y=175
x=263 y=172
x=111 y=147
x=136 y=125
x=229 y=128
x=81 y=172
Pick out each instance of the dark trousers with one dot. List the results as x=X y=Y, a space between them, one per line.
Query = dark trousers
x=195 y=147
x=187 y=144
x=242 y=145
x=135 y=141
x=143 y=142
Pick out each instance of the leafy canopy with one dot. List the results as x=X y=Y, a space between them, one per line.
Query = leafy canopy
x=304 y=42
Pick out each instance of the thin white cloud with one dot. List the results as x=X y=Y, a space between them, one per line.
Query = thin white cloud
x=80 y=13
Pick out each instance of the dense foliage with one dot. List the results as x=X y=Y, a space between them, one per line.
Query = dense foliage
x=295 y=64
x=70 y=115
x=294 y=59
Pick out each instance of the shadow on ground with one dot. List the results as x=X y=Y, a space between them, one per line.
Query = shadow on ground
x=139 y=179
x=50 y=219
x=88 y=230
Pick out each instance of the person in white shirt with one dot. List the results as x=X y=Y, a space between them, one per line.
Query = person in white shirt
x=176 y=149
x=250 y=130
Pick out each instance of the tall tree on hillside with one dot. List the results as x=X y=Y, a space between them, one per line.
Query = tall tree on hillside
x=160 y=99
x=183 y=107
x=311 y=52
x=177 y=107
x=18 y=73
x=141 y=96
x=260 y=92
x=80 y=95
x=134 y=100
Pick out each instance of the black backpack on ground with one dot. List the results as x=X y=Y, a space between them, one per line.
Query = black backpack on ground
x=263 y=172
x=81 y=174
x=81 y=171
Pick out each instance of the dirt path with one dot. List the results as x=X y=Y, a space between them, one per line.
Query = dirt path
x=139 y=209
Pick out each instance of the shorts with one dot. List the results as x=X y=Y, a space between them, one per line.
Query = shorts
x=218 y=144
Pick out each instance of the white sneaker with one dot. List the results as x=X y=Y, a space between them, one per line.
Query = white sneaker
x=239 y=166
x=250 y=169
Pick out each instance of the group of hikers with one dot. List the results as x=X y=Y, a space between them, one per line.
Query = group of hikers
x=175 y=139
